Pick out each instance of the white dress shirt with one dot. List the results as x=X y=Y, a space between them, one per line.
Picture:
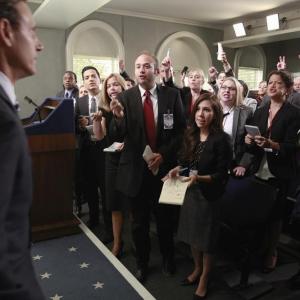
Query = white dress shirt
x=228 y=120
x=8 y=88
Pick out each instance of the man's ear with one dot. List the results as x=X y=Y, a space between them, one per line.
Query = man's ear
x=156 y=71
x=6 y=33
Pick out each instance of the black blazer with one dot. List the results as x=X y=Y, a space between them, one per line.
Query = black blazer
x=241 y=116
x=214 y=160
x=186 y=97
x=286 y=123
x=17 y=278
x=131 y=130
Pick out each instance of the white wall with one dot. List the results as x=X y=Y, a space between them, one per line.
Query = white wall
x=137 y=34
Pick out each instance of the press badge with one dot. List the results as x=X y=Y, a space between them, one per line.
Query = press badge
x=168 y=121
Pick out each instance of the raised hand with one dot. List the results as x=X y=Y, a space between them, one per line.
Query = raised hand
x=98 y=129
x=83 y=121
x=117 y=108
x=281 y=65
x=121 y=65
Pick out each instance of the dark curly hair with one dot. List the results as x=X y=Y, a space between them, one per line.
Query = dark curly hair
x=284 y=75
x=191 y=135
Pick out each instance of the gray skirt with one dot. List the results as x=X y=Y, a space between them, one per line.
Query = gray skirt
x=198 y=223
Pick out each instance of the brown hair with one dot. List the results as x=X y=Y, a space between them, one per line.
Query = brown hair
x=191 y=136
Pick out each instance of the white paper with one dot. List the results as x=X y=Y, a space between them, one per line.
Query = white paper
x=114 y=147
x=220 y=52
x=168 y=53
x=148 y=155
x=173 y=191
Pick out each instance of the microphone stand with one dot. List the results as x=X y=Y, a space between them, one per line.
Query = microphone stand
x=37 y=107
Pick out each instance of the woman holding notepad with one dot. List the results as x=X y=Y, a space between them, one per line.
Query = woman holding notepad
x=206 y=152
x=113 y=85
x=274 y=151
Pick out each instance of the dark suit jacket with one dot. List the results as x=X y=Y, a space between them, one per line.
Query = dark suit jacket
x=285 y=125
x=214 y=161
x=186 y=96
x=293 y=98
x=131 y=130
x=82 y=109
x=17 y=279
x=241 y=116
x=75 y=93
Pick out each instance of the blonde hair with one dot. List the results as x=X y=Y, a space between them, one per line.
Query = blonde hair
x=239 y=90
x=104 y=96
x=197 y=71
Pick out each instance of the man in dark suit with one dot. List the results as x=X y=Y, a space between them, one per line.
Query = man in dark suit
x=162 y=130
x=70 y=89
x=92 y=158
x=19 y=46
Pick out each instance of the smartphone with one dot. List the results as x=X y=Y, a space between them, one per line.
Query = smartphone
x=252 y=130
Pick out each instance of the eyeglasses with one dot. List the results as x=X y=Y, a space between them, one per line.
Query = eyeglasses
x=230 y=88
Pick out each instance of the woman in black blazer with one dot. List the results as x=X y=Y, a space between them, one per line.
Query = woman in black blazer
x=274 y=151
x=189 y=94
x=207 y=153
x=113 y=85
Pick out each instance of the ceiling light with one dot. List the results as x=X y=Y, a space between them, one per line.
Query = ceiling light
x=239 y=29
x=273 y=22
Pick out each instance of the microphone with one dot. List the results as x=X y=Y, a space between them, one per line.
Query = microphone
x=184 y=70
x=37 y=108
x=30 y=101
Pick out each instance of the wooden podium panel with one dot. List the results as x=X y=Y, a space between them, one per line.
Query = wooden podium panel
x=51 y=141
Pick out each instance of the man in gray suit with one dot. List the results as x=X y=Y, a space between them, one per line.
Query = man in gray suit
x=19 y=46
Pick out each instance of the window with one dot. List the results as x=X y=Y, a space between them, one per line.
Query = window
x=252 y=76
x=105 y=65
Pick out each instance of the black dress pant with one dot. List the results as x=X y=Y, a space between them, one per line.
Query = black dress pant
x=142 y=206
x=92 y=160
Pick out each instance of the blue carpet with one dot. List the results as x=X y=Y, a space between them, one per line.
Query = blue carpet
x=78 y=271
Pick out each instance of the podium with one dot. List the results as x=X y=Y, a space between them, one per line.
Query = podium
x=51 y=139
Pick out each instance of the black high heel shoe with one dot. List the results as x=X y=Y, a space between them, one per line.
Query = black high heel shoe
x=187 y=282
x=197 y=297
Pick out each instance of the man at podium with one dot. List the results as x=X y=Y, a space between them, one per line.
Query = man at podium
x=19 y=46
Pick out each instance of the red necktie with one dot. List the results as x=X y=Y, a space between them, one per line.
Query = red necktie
x=149 y=121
